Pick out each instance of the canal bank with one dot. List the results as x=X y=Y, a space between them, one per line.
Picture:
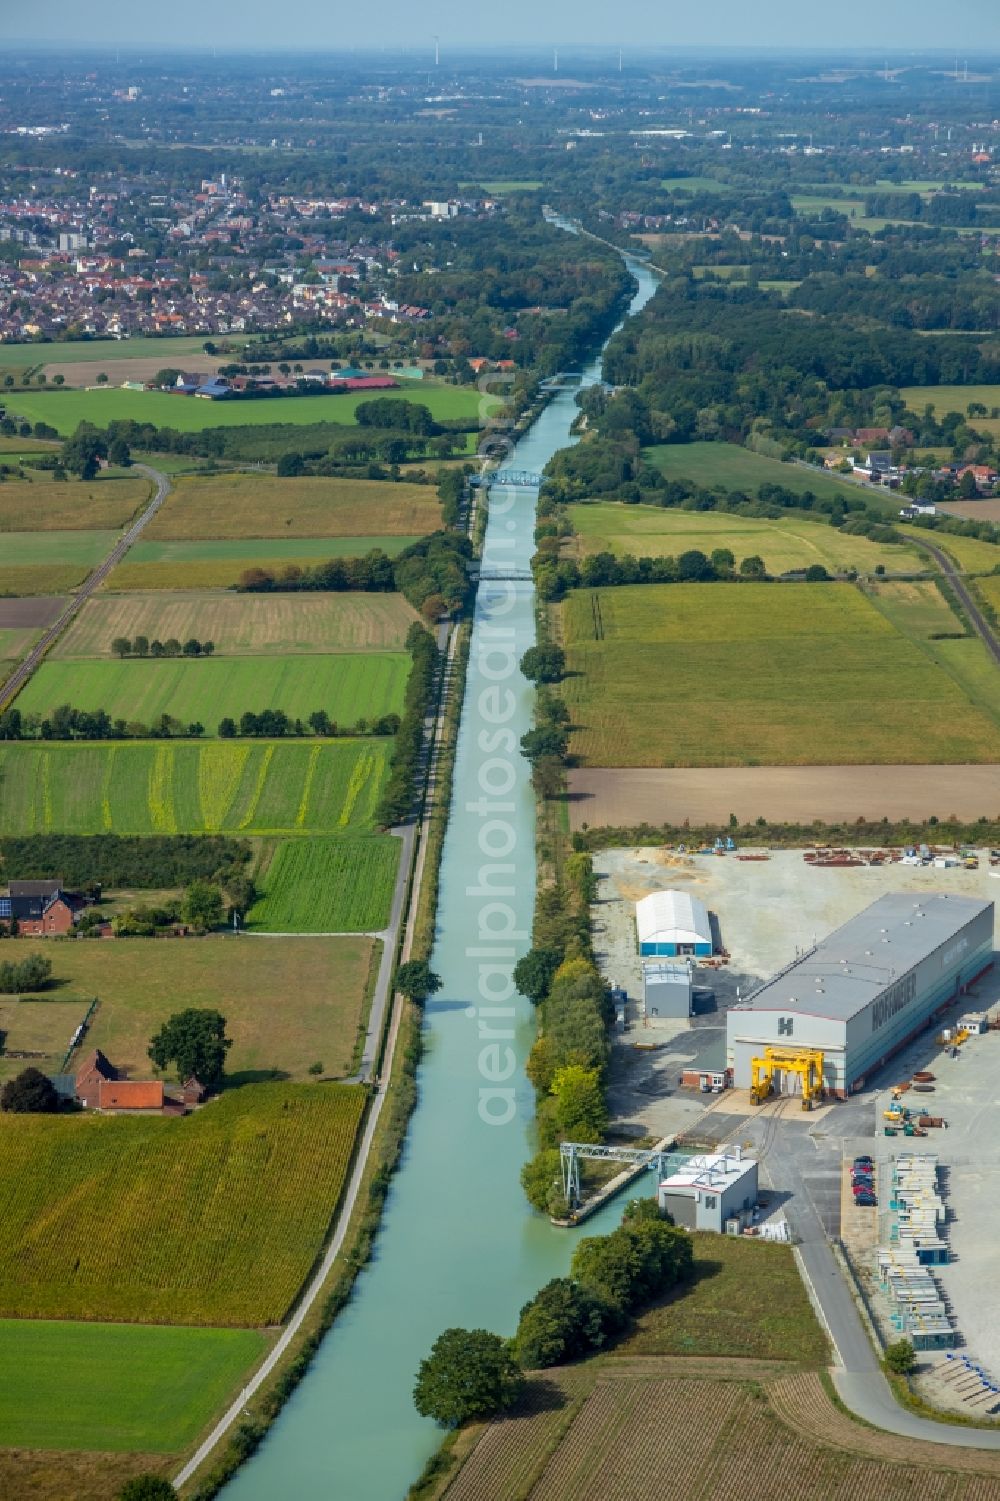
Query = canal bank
x=458 y=1243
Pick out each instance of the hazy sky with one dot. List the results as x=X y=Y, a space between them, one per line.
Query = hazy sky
x=331 y=25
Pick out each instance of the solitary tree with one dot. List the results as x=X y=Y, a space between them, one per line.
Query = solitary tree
x=900 y=1357
x=753 y=567
x=202 y=906
x=544 y=664
x=417 y=980
x=121 y=646
x=30 y=1093
x=533 y=973
x=195 y=1040
x=469 y=1373
x=141 y=646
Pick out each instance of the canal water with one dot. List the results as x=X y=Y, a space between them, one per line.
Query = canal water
x=458 y=1243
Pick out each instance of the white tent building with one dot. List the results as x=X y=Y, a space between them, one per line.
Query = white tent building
x=673 y=924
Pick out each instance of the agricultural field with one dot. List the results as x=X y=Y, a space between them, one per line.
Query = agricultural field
x=47 y=505
x=975 y=510
x=216 y=1218
x=172 y=787
x=219 y=565
x=327 y=885
x=786 y=543
x=921 y=612
x=323 y=984
x=349 y=686
x=957 y=399
x=707 y=1425
x=81 y=550
x=219 y=506
x=24 y=580
x=971 y=555
x=65 y=410
x=116 y=1387
x=242 y=624
x=14 y=643
x=168 y=351
x=735 y=468
x=761 y=674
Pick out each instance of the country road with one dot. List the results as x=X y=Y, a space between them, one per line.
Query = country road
x=979 y=623
x=12 y=687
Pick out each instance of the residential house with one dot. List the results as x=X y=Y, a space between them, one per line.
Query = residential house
x=130 y=1094
x=40 y=908
x=94 y=1070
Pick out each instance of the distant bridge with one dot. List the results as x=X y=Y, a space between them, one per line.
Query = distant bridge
x=515 y=479
x=501 y=575
x=563 y=380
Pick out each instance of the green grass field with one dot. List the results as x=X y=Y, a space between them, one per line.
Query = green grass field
x=786 y=543
x=322 y=982
x=220 y=506
x=211 y=1219
x=747 y=1301
x=971 y=555
x=328 y=886
x=242 y=624
x=167 y=787
x=774 y=675
x=80 y=549
x=65 y=410
x=349 y=686
x=116 y=1387
x=956 y=399
x=23 y=356
x=734 y=468
x=51 y=506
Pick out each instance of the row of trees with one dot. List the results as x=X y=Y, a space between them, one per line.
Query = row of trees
x=432 y=573
x=472 y=1374
x=275 y=722
x=141 y=646
x=408 y=749
x=67 y=723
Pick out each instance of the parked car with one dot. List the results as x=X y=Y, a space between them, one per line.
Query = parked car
x=863 y=1162
x=865 y=1200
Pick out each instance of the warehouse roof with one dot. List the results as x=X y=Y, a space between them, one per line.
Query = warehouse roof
x=672 y=915
x=846 y=971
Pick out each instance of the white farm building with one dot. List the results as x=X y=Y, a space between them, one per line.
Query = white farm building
x=673 y=924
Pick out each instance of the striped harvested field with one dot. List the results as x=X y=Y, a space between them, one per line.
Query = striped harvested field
x=259 y=505
x=242 y=624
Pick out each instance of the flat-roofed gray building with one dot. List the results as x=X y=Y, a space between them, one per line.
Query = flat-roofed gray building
x=866 y=990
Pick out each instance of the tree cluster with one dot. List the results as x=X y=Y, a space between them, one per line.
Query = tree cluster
x=121 y=646
x=275 y=723
x=17 y=977
x=157 y=862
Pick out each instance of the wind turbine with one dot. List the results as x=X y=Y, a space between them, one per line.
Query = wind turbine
x=437 y=52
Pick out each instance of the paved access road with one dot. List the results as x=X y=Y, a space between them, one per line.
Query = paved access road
x=804 y=1167
x=22 y=673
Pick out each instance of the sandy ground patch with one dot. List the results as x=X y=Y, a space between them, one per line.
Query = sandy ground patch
x=628 y=797
x=974 y=510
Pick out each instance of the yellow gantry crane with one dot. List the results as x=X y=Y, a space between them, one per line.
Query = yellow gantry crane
x=807 y=1063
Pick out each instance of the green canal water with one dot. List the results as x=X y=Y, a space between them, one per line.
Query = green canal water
x=458 y=1243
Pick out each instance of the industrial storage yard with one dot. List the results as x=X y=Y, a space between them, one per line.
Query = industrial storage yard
x=768 y=909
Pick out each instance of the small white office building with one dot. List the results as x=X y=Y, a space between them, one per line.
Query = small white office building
x=711 y=1189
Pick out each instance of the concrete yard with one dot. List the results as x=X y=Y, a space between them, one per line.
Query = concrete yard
x=765 y=910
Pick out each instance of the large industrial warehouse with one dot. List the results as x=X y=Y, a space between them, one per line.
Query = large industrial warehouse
x=862 y=993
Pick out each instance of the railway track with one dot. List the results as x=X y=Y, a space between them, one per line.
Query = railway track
x=12 y=687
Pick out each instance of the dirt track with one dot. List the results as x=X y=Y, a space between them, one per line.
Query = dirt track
x=796 y=794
